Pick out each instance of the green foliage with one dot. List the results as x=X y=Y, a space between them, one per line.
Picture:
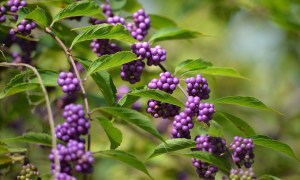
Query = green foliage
x=191 y=65
x=159 y=22
x=172 y=145
x=109 y=61
x=104 y=31
x=133 y=117
x=38 y=15
x=114 y=134
x=126 y=158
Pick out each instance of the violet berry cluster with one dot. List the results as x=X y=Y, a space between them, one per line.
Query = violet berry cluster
x=15 y=5
x=103 y=46
x=2 y=12
x=213 y=145
x=106 y=9
x=242 y=151
x=140 y=26
x=68 y=82
x=181 y=126
x=28 y=171
x=24 y=28
x=242 y=174
x=166 y=83
x=197 y=86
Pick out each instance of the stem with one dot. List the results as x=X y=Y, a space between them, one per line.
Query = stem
x=179 y=86
x=50 y=114
x=72 y=61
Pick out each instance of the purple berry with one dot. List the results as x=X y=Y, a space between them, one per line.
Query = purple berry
x=158 y=109
x=242 y=151
x=139 y=29
x=181 y=126
x=158 y=55
x=141 y=49
x=242 y=174
x=197 y=86
x=206 y=112
x=132 y=71
x=69 y=82
x=103 y=46
x=166 y=83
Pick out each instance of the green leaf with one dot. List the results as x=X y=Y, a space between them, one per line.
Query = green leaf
x=134 y=117
x=114 y=134
x=191 y=65
x=268 y=177
x=274 y=145
x=172 y=33
x=221 y=71
x=104 y=31
x=36 y=138
x=117 y=4
x=237 y=122
x=127 y=159
x=112 y=60
x=127 y=100
x=172 y=145
x=38 y=15
x=12 y=150
x=215 y=129
x=84 y=8
x=244 y=101
x=106 y=85
x=5 y=160
x=22 y=13
x=27 y=81
x=159 y=22
x=132 y=6
x=157 y=95
x=210 y=158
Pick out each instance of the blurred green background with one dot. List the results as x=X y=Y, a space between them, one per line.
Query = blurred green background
x=259 y=38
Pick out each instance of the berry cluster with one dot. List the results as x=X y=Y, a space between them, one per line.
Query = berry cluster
x=192 y=106
x=75 y=125
x=28 y=171
x=213 y=145
x=68 y=82
x=158 y=55
x=103 y=46
x=106 y=9
x=158 y=109
x=2 y=11
x=125 y=89
x=206 y=112
x=64 y=176
x=132 y=71
x=24 y=28
x=141 y=25
x=242 y=151
x=181 y=126
x=241 y=174
x=115 y=20
x=166 y=82
x=205 y=170
x=15 y=5
x=197 y=86
x=141 y=49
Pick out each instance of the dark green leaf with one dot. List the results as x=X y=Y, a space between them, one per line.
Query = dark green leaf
x=134 y=117
x=171 y=33
x=127 y=159
x=112 y=60
x=159 y=22
x=215 y=129
x=244 y=101
x=237 y=122
x=210 y=158
x=27 y=80
x=157 y=95
x=84 y=8
x=38 y=15
x=106 y=86
x=172 y=145
x=268 y=177
x=36 y=138
x=191 y=65
x=275 y=145
x=104 y=31
x=114 y=134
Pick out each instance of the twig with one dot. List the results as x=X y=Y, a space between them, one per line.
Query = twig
x=72 y=61
x=179 y=86
x=50 y=114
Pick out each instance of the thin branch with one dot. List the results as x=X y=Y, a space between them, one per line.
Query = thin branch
x=72 y=61
x=179 y=86
x=50 y=114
